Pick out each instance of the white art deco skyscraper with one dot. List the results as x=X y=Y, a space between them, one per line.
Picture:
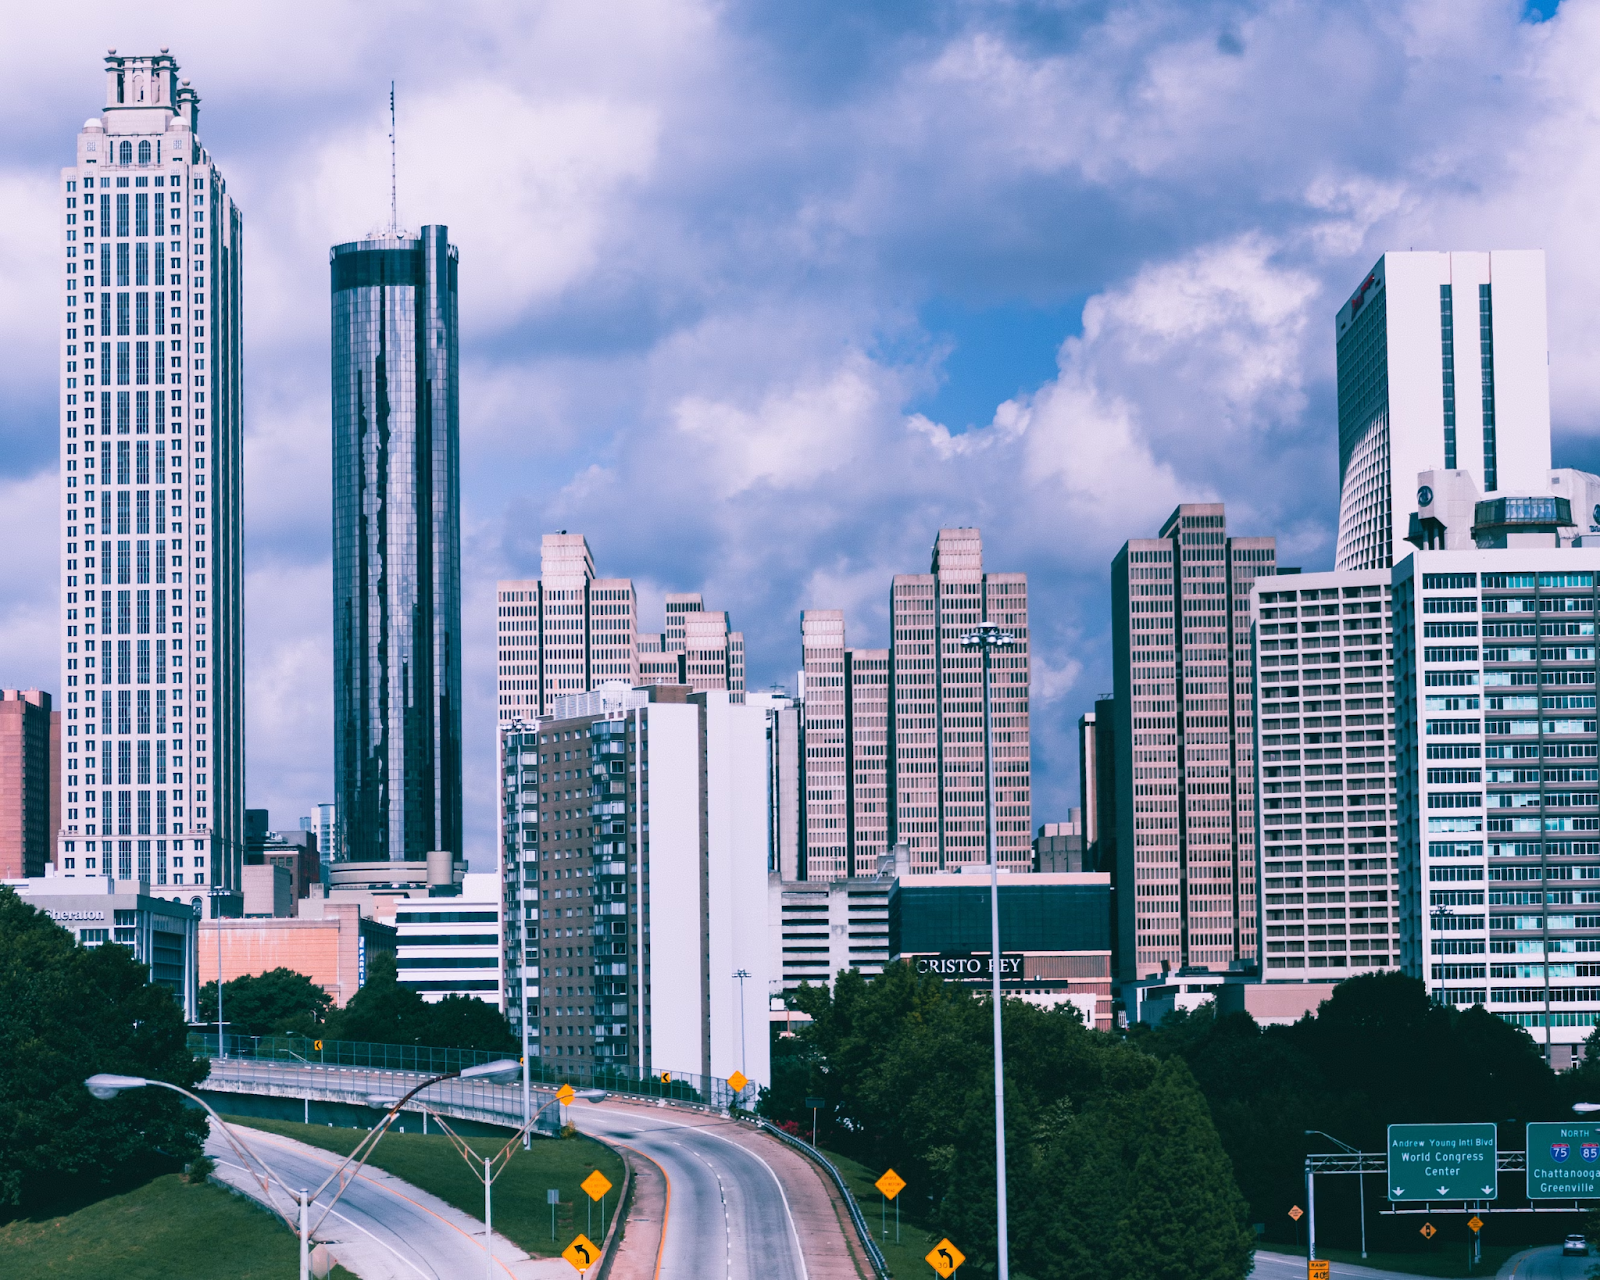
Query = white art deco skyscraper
x=151 y=523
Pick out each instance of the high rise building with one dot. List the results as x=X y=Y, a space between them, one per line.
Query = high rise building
x=937 y=808
x=699 y=648
x=1325 y=809
x=632 y=882
x=151 y=423
x=1499 y=801
x=1443 y=364
x=30 y=768
x=1183 y=741
x=845 y=723
x=396 y=547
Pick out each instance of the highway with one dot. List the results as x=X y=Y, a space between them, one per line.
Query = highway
x=1546 y=1264
x=381 y=1228
x=728 y=1217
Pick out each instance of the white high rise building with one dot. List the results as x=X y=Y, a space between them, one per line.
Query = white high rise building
x=1443 y=366
x=151 y=525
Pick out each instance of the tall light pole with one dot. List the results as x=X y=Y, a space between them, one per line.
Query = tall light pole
x=985 y=640
x=741 y=974
x=216 y=914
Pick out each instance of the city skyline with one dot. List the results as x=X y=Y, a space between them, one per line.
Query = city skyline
x=797 y=468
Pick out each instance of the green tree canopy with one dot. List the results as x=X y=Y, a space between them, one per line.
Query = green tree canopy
x=387 y=1011
x=278 y=1002
x=68 y=1012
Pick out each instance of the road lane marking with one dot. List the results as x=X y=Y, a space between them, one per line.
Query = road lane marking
x=727 y=1226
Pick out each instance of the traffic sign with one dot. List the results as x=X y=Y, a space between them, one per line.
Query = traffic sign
x=945 y=1258
x=596 y=1184
x=582 y=1253
x=1563 y=1161
x=737 y=1081
x=317 y=1045
x=666 y=1077
x=1474 y=1223
x=1317 y=1269
x=565 y=1094
x=815 y=1102
x=1296 y=1212
x=1428 y=1230
x=1443 y=1162
x=891 y=1184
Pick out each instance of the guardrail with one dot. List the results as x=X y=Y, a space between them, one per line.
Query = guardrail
x=431 y=1060
x=874 y=1253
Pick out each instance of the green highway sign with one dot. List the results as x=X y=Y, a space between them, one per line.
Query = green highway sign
x=1442 y=1162
x=1563 y=1161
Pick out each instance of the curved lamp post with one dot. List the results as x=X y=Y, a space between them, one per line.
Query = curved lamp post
x=106 y=1086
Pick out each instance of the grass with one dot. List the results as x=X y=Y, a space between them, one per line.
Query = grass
x=1444 y=1260
x=165 y=1229
x=521 y=1212
x=907 y=1258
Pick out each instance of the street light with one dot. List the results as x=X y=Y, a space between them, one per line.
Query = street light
x=986 y=639
x=741 y=974
x=106 y=1086
x=1361 y=1189
x=1584 y=1107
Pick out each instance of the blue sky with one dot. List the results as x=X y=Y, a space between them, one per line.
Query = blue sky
x=758 y=297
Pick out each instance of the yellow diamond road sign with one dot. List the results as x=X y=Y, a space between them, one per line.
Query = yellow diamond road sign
x=737 y=1081
x=1297 y=1213
x=891 y=1184
x=1475 y=1223
x=582 y=1253
x=565 y=1094
x=596 y=1184
x=1428 y=1231
x=945 y=1258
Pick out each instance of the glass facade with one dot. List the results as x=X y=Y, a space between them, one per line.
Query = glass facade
x=396 y=547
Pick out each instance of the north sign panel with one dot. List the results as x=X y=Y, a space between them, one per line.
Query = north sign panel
x=1443 y=1162
x=1563 y=1161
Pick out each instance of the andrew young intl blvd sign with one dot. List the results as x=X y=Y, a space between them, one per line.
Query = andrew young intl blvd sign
x=1443 y=1162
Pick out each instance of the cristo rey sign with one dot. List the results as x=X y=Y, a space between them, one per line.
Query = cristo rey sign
x=972 y=966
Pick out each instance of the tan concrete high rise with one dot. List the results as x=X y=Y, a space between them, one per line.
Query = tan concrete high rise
x=565 y=631
x=30 y=766
x=1183 y=742
x=936 y=700
x=844 y=727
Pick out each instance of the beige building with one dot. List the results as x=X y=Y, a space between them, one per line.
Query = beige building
x=332 y=948
x=937 y=718
x=1184 y=745
x=30 y=792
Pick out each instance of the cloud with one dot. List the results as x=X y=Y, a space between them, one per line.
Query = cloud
x=696 y=241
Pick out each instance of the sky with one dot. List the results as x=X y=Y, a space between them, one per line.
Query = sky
x=758 y=297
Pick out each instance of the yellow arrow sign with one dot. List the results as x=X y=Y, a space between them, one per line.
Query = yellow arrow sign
x=1475 y=1223
x=565 y=1094
x=582 y=1253
x=891 y=1184
x=945 y=1258
x=737 y=1081
x=666 y=1077
x=596 y=1184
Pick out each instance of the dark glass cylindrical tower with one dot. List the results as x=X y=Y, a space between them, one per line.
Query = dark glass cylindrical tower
x=396 y=547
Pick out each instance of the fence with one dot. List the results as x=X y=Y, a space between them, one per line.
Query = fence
x=430 y=1060
x=874 y=1253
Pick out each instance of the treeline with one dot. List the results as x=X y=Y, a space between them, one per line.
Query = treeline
x=1379 y=1052
x=68 y=1012
x=1114 y=1167
x=384 y=1011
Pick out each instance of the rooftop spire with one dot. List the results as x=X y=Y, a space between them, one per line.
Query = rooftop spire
x=394 y=187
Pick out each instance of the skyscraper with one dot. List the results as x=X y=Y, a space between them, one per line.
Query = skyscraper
x=30 y=765
x=1443 y=365
x=153 y=784
x=844 y=725
x=1183 y=740
x=396 y=547
x=936 y=715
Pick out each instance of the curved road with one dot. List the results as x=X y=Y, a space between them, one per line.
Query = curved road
x=728 y=1217
x=1546 y=1264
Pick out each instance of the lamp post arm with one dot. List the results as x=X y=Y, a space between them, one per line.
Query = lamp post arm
x=237 y=1143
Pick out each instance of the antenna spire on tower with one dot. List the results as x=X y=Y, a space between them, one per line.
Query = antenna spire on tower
x=394 y=196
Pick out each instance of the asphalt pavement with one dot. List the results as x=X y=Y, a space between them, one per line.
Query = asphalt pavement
x=1281 y=1266
x=382 y=1228
x=1545 y=1264
x=728 y=1217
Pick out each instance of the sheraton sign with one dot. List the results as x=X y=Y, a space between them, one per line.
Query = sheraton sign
x=971 y=966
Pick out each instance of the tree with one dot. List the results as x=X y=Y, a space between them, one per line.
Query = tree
x=278 y=1002
x=68 y=1012
x=387 y=1011
x=465 y=1022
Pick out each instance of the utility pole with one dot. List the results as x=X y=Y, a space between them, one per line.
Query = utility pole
x=986 y=639
x=741 y=974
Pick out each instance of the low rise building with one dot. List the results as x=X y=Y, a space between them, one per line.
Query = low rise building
x=1055 y=934
x=821 y=927
x=451 y=945
x=1059 y=846
x=330 y=942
